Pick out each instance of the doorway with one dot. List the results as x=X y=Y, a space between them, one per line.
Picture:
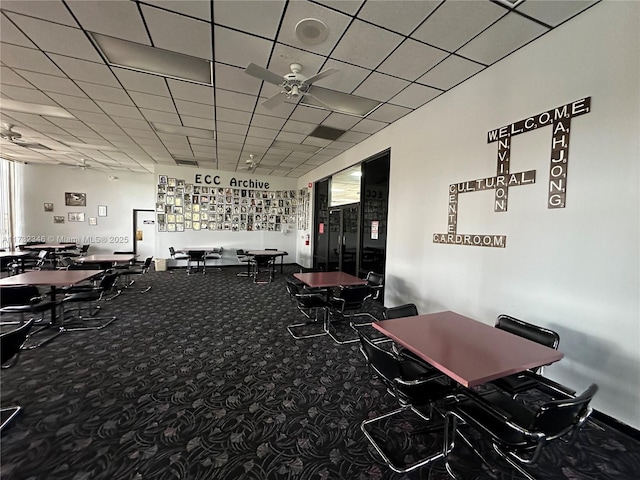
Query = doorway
x=343 y=238
x=144 y=233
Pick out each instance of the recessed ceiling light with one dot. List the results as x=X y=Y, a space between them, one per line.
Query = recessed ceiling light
x=311 y=31
x=34 y=108
x=143 y=58
x=180 y=130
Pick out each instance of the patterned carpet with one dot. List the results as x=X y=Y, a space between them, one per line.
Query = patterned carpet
x=198 y=379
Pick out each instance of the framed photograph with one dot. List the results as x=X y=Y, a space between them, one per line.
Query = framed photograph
x=48 y=207
x=76 y=217
x=58 y=219
x=93 y=221
x=162 y=179
x=72 y=199
x=102 y=210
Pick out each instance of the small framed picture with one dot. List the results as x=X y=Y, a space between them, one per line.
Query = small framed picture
x=102 y=210
x=162 y=180
x=76 y=217
x=72 y=199
x=93 y=221
x=58 y=219
x=48 y=207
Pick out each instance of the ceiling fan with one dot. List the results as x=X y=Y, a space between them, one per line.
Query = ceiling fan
x=83 y=165
x=7 y=133
x=293 y=85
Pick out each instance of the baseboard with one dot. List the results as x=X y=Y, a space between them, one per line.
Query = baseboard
x=609 y=421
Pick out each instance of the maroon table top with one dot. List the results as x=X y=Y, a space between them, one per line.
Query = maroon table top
x=328 y=279
x=107 y=258
x=14 y=254
x=54 y=278
x=49 y=246
x=470 y=352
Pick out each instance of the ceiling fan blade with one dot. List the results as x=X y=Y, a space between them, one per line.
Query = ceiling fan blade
x=264 y=74
x=320 y=75
x=274 y=101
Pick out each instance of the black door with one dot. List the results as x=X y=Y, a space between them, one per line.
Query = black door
x=343 y=238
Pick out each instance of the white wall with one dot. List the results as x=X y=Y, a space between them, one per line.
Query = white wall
x=229 y=240
x=48 y=184
x=575 y=270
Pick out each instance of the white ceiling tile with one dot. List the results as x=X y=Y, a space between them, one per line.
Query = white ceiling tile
x=23 y=94
x=190 y=91
x=450 y=72
x=422 y=56
x=193 y=109
x=238 y=101
x=10 y=77
x=317 y=142
x=45 y=9
x=291 y=137
x=346 y=79
x=263 y=20
x=309 y=114
x=388 y=113
x=296 y=126
x=414 y=96
x=340 y=121
x=283 y=110
x=153 y=102
x=346 y=6
x=234 y=78
x=283 y=56
x=506 y=35
x=246 y=48
x=230 y=137
x=262 y=142
x=73 y=102
x=401 y=16
x=196 y=122
x=108 y=94
x=454 y=23
x=92 y=118
x=141 y=82
x=194 y=38
x=50 y=83
x=116 y=19
x=365 y=45
x=28 y=59
x=119 y=110
x=54 y=38
x=233 y=116
x=296 y=11
x=235 y=128
x=380 y=87
x=265 y=121
x=202 y=141
x=260 y=132
x=160 y=117
x=553 y=12
x=366 y=125
x=11 y=34
x=199 y=9
x=85 y=71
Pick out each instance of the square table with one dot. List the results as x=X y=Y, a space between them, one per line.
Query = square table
x=270 y=253
x=468 y=351
x=328 y=279
x=107 y=260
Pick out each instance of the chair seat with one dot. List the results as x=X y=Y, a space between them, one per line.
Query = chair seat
x=88 y=296
x=517 y=383
x=39 y=307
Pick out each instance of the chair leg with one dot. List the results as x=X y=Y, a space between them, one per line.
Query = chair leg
x=397 y=468
x=291 y=327
x=12 y=411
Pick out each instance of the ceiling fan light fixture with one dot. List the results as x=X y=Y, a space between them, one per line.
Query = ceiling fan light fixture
x=311 y=31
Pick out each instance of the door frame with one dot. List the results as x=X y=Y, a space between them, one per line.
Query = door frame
x=135 y=226
x=342 y=209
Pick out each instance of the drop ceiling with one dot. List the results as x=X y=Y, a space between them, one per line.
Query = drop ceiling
x=402 y=54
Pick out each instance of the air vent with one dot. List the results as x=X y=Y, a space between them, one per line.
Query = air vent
x=186 y=163
x=327 y=133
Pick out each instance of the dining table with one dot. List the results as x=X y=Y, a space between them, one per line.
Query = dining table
x=328 y=279
x=466 y=350
x=273 y=254
x=53 y=279
x=106 y=261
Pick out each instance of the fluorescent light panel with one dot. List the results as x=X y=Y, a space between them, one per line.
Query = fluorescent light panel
x=135 y=56
x=186 y=131
x=34 y=108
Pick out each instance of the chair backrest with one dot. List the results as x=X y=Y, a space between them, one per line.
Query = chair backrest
x=406 y=310
x=557 y=417
x=147 y=263
x=64 y=262
x=172 y=251
x=537 y=334
x=18 y=295
x=11 y=342
x=382 y=362
x=84 y=249
x=108 y=281
x=375 y=279
x=354 y=296
x=293 y=288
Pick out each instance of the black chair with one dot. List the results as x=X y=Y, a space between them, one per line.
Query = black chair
x=133 y=270
x=262 y=264
x=401 y=311
x=246 y=259
x=376 y=282
x=195 y=256
x=412 y=385
x=10 y=346
x=91 y=298
x=310 y=305
x=344 y=304
x=520 y=382
x=21 y=300
x=517 y=433
x=177 y=256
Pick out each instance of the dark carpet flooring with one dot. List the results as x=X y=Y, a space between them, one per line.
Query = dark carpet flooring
x=199 y=379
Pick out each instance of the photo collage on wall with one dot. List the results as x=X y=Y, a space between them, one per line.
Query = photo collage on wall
x=184 y=206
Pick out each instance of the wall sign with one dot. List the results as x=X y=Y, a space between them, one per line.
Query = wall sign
x=560 y=120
